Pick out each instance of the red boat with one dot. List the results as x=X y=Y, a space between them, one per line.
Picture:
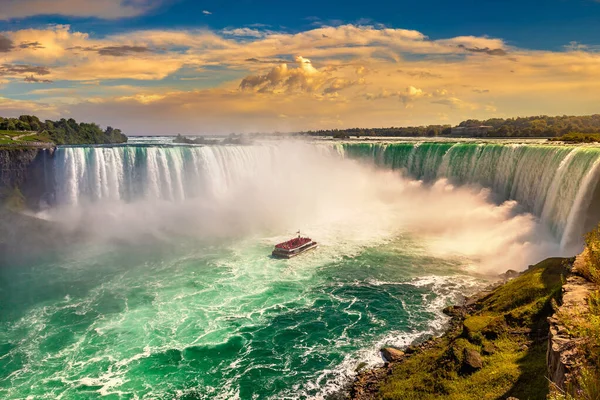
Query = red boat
x=293 y=247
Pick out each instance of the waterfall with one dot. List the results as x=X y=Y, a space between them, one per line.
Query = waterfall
x=556 y=183
x=128 y=173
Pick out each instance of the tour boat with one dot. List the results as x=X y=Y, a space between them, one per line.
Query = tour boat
x=293 y=247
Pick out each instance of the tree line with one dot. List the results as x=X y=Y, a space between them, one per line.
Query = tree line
x=64 y=131
x=536 y=126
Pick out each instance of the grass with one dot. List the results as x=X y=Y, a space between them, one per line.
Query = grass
x=507 y=328
x=8 y=137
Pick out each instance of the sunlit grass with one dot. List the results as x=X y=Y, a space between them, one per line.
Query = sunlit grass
x=505 y=330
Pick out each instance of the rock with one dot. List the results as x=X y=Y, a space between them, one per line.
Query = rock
x=472 y=361
x=564 y=355
x=524 y=347
x=411 y=349
x=488 y=349
x=452 y=311
x=510 y=274
x=360 y=366
x=391 y=354
x=511 y=398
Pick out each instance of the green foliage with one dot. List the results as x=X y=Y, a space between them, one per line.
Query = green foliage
x=587 y=387
x=591 y=268
x=59 y=132
x=508 y=321
x=411 y=131
x=574 y=137
x=537 y=126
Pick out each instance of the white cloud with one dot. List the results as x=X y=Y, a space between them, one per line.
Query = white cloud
x=410 y=94
x=205 y=12
x=105 y=9
x=247 y=32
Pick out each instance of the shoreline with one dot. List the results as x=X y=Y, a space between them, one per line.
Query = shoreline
x=368 y=382
x=365 y=384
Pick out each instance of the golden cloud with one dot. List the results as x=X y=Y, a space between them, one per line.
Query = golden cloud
x=340 y=71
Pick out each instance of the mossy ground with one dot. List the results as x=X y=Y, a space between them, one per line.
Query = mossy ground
x=508 y=328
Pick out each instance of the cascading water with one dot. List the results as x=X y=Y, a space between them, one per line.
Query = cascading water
x=555 y=183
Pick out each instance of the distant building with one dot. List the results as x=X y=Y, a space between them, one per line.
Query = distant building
x=469 y=131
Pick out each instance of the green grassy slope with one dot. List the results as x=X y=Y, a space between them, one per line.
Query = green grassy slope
x=507 y=328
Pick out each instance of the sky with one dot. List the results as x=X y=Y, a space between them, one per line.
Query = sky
x=216 y=67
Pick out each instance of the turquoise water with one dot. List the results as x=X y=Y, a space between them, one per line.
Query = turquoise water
x=224 y=320
x=175 y=295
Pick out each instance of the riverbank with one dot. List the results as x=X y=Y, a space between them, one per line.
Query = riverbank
x=495 y=346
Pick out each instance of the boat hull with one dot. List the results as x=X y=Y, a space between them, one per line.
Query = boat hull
x=281 y=253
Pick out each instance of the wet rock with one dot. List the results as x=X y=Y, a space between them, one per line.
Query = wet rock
x=453 y=311
x=471 y=361
x=391 y=354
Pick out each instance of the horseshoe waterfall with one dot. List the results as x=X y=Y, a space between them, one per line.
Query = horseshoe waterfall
x=165 y=287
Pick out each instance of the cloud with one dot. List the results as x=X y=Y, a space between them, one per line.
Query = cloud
x=421 y=74
x=486 y=50
x=16 y=69
x=105 y=9
x=247 y=78
x=31 y=45
x=6 y=44
x=410 y=94
x=282 y=79
x=305 y=78
x=32 y=79
x=115 y=51
x=272 y=61
x=456 y=103
x=10 y=107
x=247 y=32
x=205 y=12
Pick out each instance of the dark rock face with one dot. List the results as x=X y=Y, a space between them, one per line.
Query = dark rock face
x=391 y=354
x=29 y=169
x=471 y=362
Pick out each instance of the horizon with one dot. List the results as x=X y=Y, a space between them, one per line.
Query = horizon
x=162 y=67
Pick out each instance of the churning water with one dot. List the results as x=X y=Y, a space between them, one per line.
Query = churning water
x=173 y=294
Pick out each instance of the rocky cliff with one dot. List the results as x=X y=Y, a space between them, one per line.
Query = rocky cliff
x=564 y=356
x=28 y=169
